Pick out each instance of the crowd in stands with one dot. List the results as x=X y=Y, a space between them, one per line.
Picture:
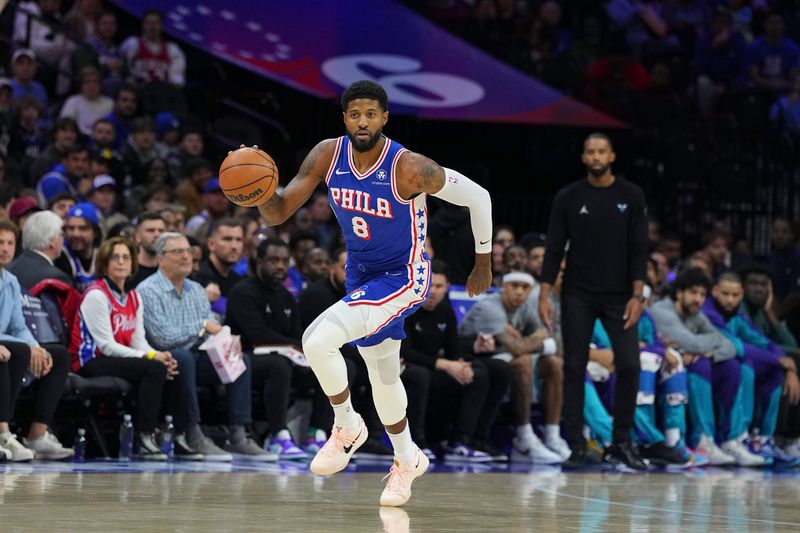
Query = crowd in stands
x=112 y=218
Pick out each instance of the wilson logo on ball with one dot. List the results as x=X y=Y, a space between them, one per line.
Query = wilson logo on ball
x=244 y=197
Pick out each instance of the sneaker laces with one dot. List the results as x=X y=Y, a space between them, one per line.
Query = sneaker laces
x=397 y=478
x=335 y=444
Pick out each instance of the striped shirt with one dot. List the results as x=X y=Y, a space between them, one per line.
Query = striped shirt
x=171 y=319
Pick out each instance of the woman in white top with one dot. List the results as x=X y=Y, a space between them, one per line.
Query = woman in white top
x=89 y=105
x=109 y=340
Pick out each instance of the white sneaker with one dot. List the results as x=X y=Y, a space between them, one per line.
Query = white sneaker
x=19 y=453
x=401 y=476
x=716 y=457
x=5 y=454
x=531 y=450
x=741 y=454
x=559 y=446
x=48 y=448
x=341 y=446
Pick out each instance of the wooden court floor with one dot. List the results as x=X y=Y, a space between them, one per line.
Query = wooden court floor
x=115 y=497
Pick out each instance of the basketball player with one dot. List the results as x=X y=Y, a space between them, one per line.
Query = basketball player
x=377 y=190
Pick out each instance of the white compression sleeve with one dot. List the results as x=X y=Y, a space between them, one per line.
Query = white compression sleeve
x=460 y=190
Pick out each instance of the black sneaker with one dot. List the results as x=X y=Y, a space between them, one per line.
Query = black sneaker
x=146 y=448
x=661 y=455
x=624 y=457
x=576 y=461
x=184 y=452
x=487 y=447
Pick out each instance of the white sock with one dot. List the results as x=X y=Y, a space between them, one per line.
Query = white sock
x=344 y=415
x=673 y=436
x=552 y=432
x=525 y=432
x=404 y=448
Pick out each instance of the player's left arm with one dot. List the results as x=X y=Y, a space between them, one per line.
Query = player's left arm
x=418 y=174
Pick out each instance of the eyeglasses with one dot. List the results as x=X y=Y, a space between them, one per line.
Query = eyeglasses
x=120 y=257
x=179 y=251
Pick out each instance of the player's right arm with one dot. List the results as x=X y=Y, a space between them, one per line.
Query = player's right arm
x=278 y=208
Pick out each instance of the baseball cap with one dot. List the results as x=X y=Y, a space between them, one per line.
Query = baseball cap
x=212 y=185
x=101 y=180
x=21 y=206
x=5 y=82
x=23 y=52
x=166 y=121
x=87 y=211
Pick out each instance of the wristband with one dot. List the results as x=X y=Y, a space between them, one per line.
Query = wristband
x=151 y=354
x=549 y=346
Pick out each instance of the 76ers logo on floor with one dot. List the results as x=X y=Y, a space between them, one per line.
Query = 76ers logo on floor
x=381 y=174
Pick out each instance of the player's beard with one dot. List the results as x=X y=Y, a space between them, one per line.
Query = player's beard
x=361 y=146
x=598 y=171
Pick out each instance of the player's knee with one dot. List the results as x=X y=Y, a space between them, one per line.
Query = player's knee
x=552 y=368
x=522 y=366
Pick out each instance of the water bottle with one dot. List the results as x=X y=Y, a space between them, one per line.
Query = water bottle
x=126 y=438
x=79 y=446
x=168 y=438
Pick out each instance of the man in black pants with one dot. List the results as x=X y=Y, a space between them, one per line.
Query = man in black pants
x=264 y=313
x=604 y=219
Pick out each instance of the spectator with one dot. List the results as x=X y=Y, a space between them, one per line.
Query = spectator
x=24 y=67
x=216 y=206
x=42 y=243
x=103 y=196
x=672 y=248
x=74 y=179
x=150 y=57
x=763 y=366
x=81 y=18
x=757 y=305
x=714 y=373
x=174 y=216
x=785 y=112
x=156 y=198
x=177 y=309
x=168 y=133
x=315 y=266
x=28 y=133
x=300 y=243
x=644 y=25
x=772 y=58
x=535 y=259
x=82 y=228
x=460 y=387
x=613 y=76
x=225 y=244
x=21 y=210
x=717 y=248
x=266 y=315
x=108 y=339
x=139 y=150
x=741 y=16
x=719 y=58
x=512 y=319
x=504 y=236
x=189 y=191
x=322 y=217
x=41 y=33
x=149 y=228
x=191 y=147
x=125 y=102
x=61 y=204
x=89 y=105
x=515 y=257
x=63 y=136
x=101 y=51
x=49 y=365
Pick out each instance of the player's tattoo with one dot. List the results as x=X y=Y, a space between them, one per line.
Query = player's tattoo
x=310 y=161
x=431 y=177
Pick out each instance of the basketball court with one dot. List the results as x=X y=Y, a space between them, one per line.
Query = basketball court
x=139 y=496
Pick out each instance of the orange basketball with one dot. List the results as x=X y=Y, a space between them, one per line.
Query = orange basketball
x=248 y=177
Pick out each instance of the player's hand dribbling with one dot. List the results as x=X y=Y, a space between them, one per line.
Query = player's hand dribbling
x=480 y=278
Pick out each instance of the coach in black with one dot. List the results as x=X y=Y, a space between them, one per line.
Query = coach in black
x=604 y=220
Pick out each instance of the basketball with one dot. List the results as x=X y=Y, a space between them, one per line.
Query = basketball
x=248 y=176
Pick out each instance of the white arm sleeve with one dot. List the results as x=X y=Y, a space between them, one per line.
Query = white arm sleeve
x=460 y=190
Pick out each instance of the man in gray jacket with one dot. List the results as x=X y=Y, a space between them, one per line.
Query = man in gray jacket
x=714 y=372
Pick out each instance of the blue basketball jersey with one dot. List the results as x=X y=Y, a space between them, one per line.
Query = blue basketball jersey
x=382 y=231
